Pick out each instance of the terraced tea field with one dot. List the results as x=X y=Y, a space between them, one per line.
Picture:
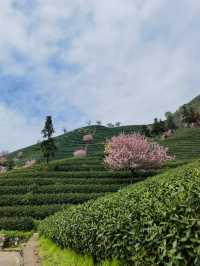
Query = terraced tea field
x=185 y=144
x=29 y=195
x=71 y=141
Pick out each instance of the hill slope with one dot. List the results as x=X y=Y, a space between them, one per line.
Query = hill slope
x=69 y=142
x=28 y=195
x=185 y=144
x=195 y=104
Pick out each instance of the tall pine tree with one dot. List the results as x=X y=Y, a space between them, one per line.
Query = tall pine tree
x=48 y=145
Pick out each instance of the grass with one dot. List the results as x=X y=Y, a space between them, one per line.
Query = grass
x=52 y=255
x=14 y=234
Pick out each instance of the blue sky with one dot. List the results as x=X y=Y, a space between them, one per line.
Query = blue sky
x=80 y=60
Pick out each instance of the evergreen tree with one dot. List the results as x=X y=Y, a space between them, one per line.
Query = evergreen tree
x=169 y=123
x=145 y=131
x=117 y=124
x=162 y=127
x=48 y=146
x=98 y=123
x=186 y=115
x=48 y=129
x=158 y=127
x=10 y=164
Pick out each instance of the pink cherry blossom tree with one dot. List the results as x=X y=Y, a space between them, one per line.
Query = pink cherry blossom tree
x=80 y=153
x=133 y=152
x=88 y=138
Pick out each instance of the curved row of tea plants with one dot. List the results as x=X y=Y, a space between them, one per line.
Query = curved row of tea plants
x=155 y=222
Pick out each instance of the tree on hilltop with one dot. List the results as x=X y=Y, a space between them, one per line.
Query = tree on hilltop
x=48 y=145
x=169 y=123
x=158 y=127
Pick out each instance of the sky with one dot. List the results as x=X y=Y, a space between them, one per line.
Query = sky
x=81 y=60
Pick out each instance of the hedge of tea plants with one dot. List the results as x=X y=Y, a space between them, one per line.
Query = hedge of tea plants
x=155 y=222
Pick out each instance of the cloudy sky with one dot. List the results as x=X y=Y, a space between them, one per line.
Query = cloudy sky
x=80 y=60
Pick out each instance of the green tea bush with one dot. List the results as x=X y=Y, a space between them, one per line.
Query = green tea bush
x=16 y=223
x=42 y=199
x=155 y=222
x=36 y=212
x=74 y=181
x=58 y=188
x=74 y=174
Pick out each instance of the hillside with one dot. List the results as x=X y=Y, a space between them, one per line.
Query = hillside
x=29 y=195
x=69 y=142
x=185 y=144
x=33 y=194
x=195 y=104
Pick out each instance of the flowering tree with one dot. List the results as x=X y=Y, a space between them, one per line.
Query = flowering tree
x=134 y=152
x=80 y=153
x=29 y=163
x=88 y=138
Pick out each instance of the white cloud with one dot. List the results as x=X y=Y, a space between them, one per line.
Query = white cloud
x=17 y=131
x=131 y=60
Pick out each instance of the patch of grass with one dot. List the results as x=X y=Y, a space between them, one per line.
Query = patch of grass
x=52 y=255
x=19 y=234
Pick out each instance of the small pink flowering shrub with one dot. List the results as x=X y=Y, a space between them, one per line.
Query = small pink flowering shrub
x=80 y=153
x=88 y=138
x=134 y=152
x=167 y=134
x=3 y=169
x=29 y=163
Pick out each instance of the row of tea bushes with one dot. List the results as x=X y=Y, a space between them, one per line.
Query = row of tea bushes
x=68 y=181
x=17 y=223
x=73 y=174
x=155 y=222
x=59 y=188
x=36 y=212
x=47 y=199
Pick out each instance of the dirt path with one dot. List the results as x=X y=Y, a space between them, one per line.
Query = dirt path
x=10 y=259
x=30 y=252
x=30 y=255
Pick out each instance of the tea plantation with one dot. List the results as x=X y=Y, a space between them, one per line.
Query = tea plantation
x=69 y=142
x=155 y=222
x=185 y=144
x=29 y=195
